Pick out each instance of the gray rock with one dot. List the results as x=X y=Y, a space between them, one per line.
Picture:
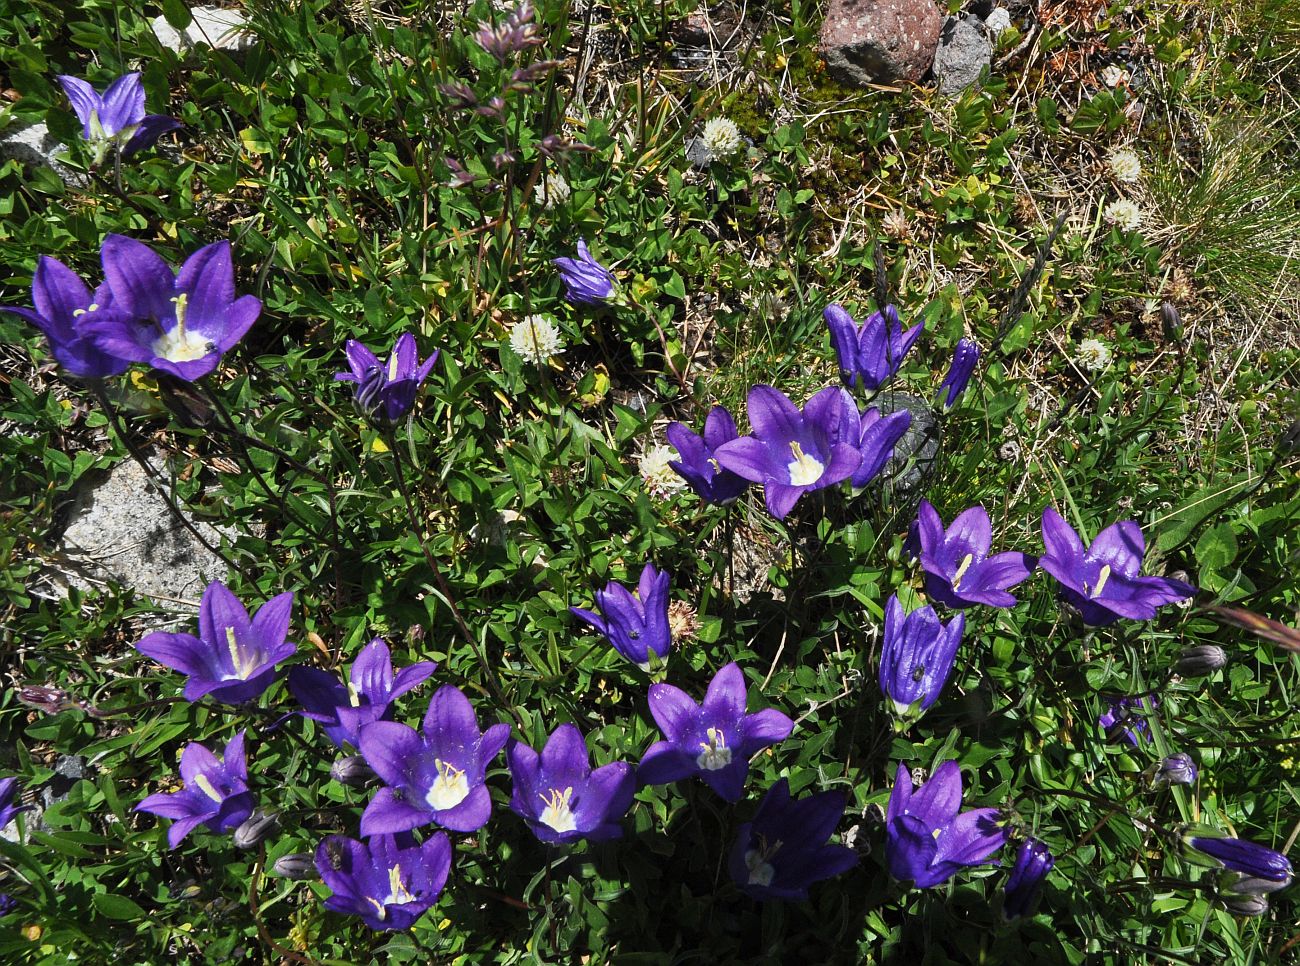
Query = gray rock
x=68 y=770
x=32 y=144
x=916 y=453
x=217 y=27
x=998 y=21
x=869 y=42
x=964 y=51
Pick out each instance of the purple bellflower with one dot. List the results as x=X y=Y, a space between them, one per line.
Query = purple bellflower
x=793 y=452
x=870 y=353
x=1102 y=580
x=180 y=323
x=1033 y=861
x=559 y=795
x=713 y=740
x=917 y=657
x=63 y=304
x=784 y=849
x=958 y=569
x=233 y=658
x=117 y=116
x=389 y=881
x=215 y=794
x=1177 y=769
x=964 y=359
x=586 y=281
x=1259 y=869
x=387 y=390
x=437 y=776
x=1124 y=718
x=879 y=435
x=8 y=792
x=344 y=709
x=635 y=622
x=698 y=466
x=926 y=840
x=7 y=904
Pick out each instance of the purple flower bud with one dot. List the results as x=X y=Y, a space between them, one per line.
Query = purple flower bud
x=48 y=699
x=1170 y=322
x=297 y=866
x=1177 y=769
x=256 y=829
x=964 y=359
x=387 y=392
x=917 y=657
x=1033 y=862
x=636 y=624
x=461 y=95
x=8 y=793
x=352 y=770
x=1262 y=868
x=586 y=281
x=1245 y=905
x=1201 y=659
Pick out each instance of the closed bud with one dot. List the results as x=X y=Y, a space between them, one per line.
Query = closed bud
x=1200 y=659
x=1171 y=322
x=1245 y=905
x=1175 y=770
x=353 y=771
x=256 y=828
x=48 y=699
x=296 y=866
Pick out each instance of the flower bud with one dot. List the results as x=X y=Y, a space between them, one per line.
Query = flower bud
x=48 y=699
x=353 y=771
x=1245 y=905
x=1171 y=322
x=1260 y=869
x=1175 y=770
x=1033 y=862
x=1200 y=659
x=255 y=829
x=296 y=866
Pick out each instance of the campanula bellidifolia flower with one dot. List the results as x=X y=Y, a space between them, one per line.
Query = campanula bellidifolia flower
x=1200 y=659
x=793 y=452
x=784 y=849
x=433 y=776
x=63 y=305
x=713 y=740
x=876 y=441
x=387 y=391
x=964 y=359
x=958 y=569
x=1124 y=718
x=233 y=658
x=917 y=657
x=928 y=839
x=389 y=880
x=586 y=281
x=344 y=709
x=1033 y=861
x=559 y=795
x=8 y=793
x=1259 y=869
x=297 y=866
x=215 y=794
x=1177 y=769
x=698 y=466
x=117 y=116
x=1103 y=580
x=635 y=622
x=869 y=354
x=180 y=323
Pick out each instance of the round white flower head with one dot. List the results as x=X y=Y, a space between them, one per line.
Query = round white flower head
x=535 y=339
x=661 y=480
x=1125 y=165
x=1093 y=355
x=721 y=137
x=552 y=190
x=1123 y=214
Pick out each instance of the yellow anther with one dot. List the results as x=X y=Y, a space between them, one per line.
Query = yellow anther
x=207 y=787
x=961 y=571
x=1101 y=580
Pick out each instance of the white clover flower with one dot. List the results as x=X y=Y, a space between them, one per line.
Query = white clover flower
x=1125 y=165
x=535 y=339
x=661 y=480
x=1123 y=214
x=1093 y=355
x=552 y=190
x=721 y=137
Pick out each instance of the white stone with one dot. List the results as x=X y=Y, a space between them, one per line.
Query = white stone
x=33 y=144
x=998 y=20
x=218 y=28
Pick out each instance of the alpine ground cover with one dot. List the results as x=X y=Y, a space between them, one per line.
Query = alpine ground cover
x=948 y=446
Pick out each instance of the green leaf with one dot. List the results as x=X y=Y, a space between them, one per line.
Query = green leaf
x=117 y=907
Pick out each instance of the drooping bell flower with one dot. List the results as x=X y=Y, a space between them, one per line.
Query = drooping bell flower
x=63 y=304
x=1103 y=580
x=713 y=740
x=699 y=467
x=233 y=658
x=964 y=359
x=180 y=323
x=869 y=354
x=635 y=622
x=876 y=441
x=916 y=658
x=1124 y=718
x=559 y=795
x=793 y=452
x=586 y=281
x=927 y=838
x=9 y=792
x=958 y=569
x=387 y=391
x=388 y=880
x=215 y=794
x=117 y=117
x=784 y=849
x=434 y=776
x=1176 y=769
x=344 y=709
x=1259 y=869
x=1033 y=862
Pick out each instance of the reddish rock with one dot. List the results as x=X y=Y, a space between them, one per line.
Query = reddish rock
x=880 y=41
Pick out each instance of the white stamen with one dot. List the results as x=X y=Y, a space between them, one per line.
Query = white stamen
x=207 y=788
x=716 y=754
x=1101 y=581
x=557 y=814
x=961 y=571
x=804 y=470
x=180 y=345
x=761 y=871
x=449 y=789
